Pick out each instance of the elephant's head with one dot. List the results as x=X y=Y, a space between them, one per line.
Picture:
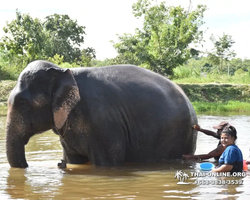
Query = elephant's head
x=42 y=99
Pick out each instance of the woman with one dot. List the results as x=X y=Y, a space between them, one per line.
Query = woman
x=231 y=159
x=216 y=153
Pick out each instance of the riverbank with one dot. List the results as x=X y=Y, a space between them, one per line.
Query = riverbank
x=209 y=98
x=217 y=92
x=214 y=98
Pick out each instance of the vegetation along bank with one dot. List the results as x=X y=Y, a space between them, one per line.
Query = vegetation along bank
x=211 y=97
x=218 y=97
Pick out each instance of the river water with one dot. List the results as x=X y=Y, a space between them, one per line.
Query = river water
x=43 y=180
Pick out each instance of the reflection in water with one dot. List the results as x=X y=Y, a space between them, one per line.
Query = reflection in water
x=43 y=180
x=33 y=183
x=16 y=187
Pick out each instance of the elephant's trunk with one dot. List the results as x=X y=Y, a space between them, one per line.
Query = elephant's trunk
x=15 y=149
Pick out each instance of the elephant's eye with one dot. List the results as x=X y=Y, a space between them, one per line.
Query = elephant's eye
x=24 y=105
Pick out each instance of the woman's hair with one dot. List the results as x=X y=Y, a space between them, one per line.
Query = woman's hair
x=231 y=131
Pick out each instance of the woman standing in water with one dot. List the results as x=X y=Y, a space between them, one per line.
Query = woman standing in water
x=231 y=159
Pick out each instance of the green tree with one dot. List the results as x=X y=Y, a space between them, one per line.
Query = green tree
x=246 y=65
x=64 y=37
x=24 y=37
x=87 y=55
x=235 y=64
x=221 y=52
x=163 y=43
x=99 y=63
x=129 y=50
x=239 y=64
x=58 y=38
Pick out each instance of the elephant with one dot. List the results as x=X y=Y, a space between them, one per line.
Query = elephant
x=103 y=115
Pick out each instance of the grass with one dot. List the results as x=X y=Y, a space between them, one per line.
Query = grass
x=3 y=109
x=5 y=87
x=230 y=106
x=236 y=79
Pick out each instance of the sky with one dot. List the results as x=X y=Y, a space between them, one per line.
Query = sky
x=104 y=19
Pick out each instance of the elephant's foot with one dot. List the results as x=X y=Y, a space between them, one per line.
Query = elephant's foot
x=62 y=165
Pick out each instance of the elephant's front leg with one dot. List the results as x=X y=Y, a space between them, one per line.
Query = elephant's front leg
x=71 y=155
x=74 y=158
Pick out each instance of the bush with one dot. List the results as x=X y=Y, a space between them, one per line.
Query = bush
x=9 y=72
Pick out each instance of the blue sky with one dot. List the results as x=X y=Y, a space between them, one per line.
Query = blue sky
x=104 y=19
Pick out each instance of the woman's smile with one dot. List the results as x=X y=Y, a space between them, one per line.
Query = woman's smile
x=226 y=139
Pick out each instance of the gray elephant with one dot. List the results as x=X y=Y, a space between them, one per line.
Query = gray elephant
x=105 y=115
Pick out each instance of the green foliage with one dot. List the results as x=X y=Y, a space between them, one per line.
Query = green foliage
x=64 y=37
x=163 y=42
x=202 y=70
x=24 y=37
x=183 y=72
x=69 y=65
x=213 y=108
x=129 y=50
x=216 y=78
x=3 y=110
x=9 y=73
x=222 y=51
x=10 y=66
x=240 y=72
x=57 y=59
x=99 y=63
x=57 y=39
x=87 y=55
x=66 y=65
x=219 y=93
x=193 y=68
x=5 y=89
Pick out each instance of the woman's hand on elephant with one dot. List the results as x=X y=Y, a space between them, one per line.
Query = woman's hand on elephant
x=197 y=127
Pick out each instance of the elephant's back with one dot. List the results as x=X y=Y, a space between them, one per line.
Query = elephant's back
x=127 y=77
x=135 y=85
x=141 y=93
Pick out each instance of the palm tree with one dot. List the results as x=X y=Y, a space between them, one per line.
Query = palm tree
x=179 y=175
x=185 y=176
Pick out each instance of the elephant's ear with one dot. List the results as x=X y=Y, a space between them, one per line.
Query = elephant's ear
x=66 y=95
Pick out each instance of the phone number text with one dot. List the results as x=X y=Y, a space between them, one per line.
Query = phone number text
x=219 y=182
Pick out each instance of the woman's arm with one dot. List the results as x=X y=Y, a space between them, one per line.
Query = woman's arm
x=216 y=152
x=223 y=168
x=207 y=132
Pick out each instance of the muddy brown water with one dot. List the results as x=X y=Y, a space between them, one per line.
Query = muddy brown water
x=43 y=180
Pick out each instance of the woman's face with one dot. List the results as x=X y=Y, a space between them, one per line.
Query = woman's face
x=226 y=139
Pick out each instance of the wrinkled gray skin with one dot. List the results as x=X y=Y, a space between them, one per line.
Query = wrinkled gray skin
x=105 y=115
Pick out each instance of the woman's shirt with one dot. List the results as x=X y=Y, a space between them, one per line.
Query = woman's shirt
x=232 y=156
